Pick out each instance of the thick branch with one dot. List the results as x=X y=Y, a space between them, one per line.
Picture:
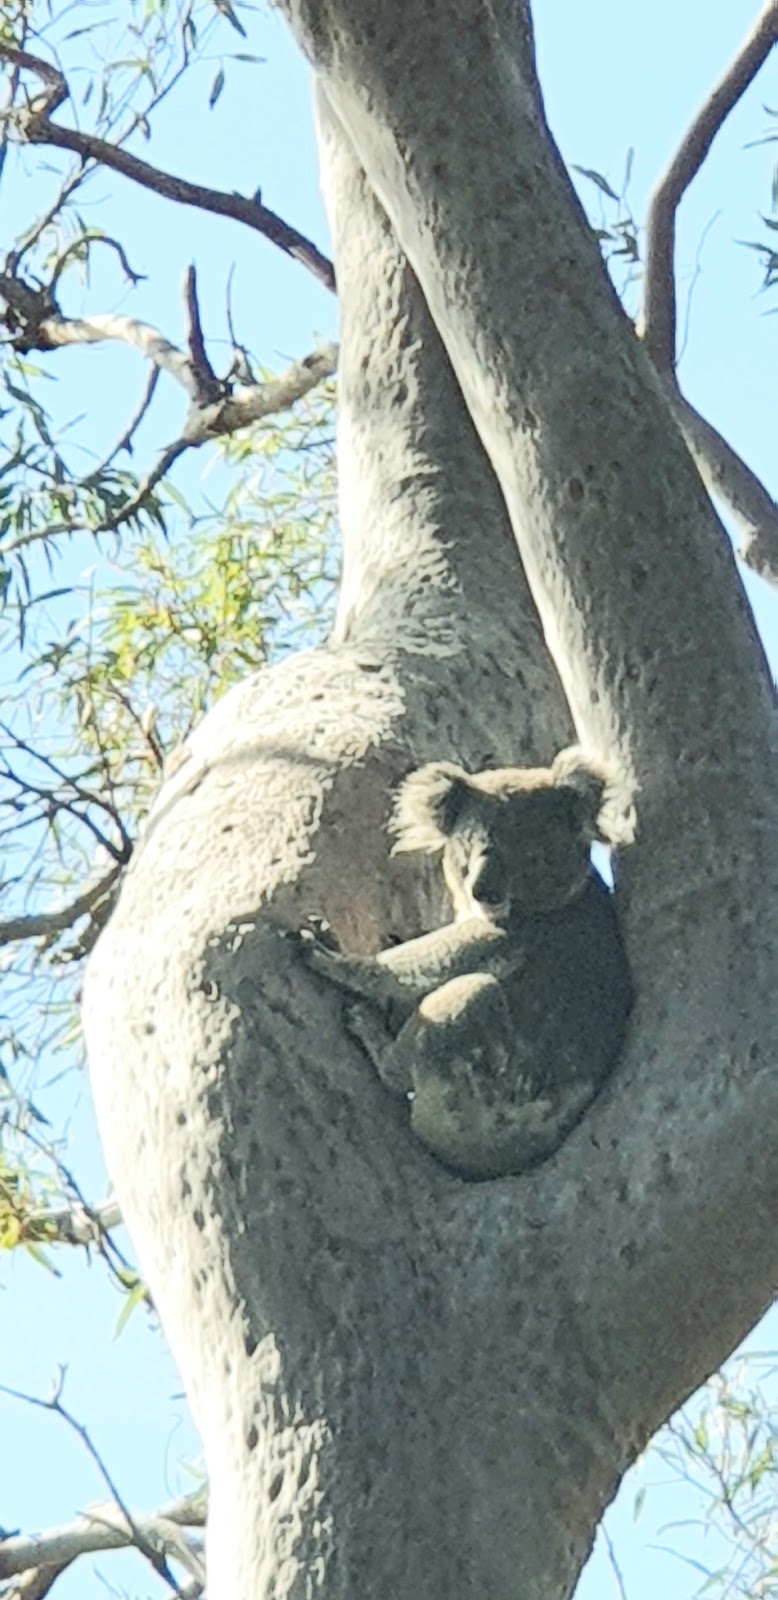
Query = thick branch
x=56 y=332
x=438 y=651
x=659 y=311
x=34 y=126
x=236 y=407
x=105 y=1527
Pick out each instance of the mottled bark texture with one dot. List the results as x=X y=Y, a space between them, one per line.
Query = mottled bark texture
x=409 y=1386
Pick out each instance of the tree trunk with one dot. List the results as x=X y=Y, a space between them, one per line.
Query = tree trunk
x=408 y=1385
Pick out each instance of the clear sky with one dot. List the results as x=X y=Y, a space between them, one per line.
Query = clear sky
x=615 y=75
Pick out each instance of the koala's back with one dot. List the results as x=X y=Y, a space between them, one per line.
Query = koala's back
x=570 y=1001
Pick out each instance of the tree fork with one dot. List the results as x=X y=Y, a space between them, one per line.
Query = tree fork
x=407 y=1384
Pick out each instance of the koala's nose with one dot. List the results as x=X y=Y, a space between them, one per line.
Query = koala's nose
x=487 y=881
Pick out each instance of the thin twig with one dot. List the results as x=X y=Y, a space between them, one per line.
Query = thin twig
x=104 y=1242
x=68 y=186
x=137 y=501
x=136 y=1532
x=86 y=239
x=125 y=442
x=615 y=1568
x=694 y=280
x=86 y=795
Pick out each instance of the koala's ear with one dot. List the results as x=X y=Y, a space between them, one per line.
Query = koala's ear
x=606 y=808
x=429 y=802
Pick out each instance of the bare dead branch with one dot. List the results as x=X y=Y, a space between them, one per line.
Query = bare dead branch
x=251 y=402
x=659 y=302
x=82 y=243
x=104 y=1527
x=33 y=125
x=227 y=415
x=47 y=924
x=206 y=384
x=34 y=1584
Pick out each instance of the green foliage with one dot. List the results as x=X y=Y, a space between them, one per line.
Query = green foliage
x=107 y=670
x=125 y=610
x=118 y=629
x=617 y=231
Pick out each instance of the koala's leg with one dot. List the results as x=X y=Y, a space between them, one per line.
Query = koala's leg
x=459 y=1029
x=463 y=1027
x=460 y=1049
x=474 y=1105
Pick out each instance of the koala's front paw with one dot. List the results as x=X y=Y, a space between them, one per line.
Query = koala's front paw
x=365 y=1023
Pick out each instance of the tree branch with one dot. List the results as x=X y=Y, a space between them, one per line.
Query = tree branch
x=659 y=305
x=47 y=924
x=722 y=471
x=116 y=1519
x=207 y=385
x=217 y=406
x=74 y=1224
x=728 y=478
x=34 y=126
x=45 y=328
x=40 y=1558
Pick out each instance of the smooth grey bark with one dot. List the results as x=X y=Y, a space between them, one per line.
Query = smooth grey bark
x=408 y=1385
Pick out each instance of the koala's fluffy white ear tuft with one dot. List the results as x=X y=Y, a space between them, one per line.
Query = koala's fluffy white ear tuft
x=607 y=811
x=428 y=803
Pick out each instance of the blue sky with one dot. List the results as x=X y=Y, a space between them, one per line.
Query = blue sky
x=615 y=75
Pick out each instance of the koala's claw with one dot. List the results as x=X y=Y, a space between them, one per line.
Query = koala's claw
x=321 y=957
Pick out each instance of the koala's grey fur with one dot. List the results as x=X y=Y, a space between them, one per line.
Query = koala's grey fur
x=511 y=1016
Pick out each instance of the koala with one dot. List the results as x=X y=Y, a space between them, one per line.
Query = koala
x=501 y=1026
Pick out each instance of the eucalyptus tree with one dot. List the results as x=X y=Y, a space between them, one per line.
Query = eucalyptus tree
x=410 y=1384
